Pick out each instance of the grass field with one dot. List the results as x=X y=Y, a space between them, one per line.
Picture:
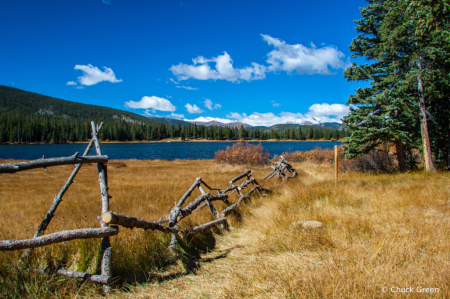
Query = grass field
x=380 y=230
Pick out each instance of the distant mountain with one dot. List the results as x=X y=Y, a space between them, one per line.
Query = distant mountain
x=330 y=125
x=223 y=125
x=13 y=100
x=307 y=121
x=170 y=121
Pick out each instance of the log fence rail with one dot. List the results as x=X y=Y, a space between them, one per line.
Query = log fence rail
x=109 y=220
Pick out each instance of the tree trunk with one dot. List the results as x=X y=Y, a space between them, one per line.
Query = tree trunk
x=401 y=157
x=429 y=167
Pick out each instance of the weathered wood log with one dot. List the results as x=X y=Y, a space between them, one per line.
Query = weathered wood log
x=189 y=192
x=212 y=208
x=204 y=227
x=131 y=222
x=85 y=276
x=106 y=266
x=244 y=174
x=58 y=237
x=102 y=179
x=191 y=207
x=206 y=185
x=234 y=206
x=56 y=201
x=269 y=174
x=173 y=216
x=44 y=163
x=58 y=198
x=201 y=189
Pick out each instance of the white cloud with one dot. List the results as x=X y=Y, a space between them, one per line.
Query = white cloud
x=174 y=115
x=224 y=70
x=208 y=119
x=71 y=83
x=209 y=104
x=174 y=81
x=153 y=102
x=275 y=104
x=316 y=113
x=302 y=59
x=187 y=87
x=285 y=57
x=193 y=108
x=92 y=75
x=328 y=110
x=80 y=87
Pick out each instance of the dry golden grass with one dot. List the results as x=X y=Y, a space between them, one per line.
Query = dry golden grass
x=379 y=231
x=143 y=189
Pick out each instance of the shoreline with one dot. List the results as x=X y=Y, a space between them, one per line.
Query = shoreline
x=168 y=141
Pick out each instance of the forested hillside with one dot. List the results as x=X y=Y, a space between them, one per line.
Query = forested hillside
x=13 y=100
x=27 y=117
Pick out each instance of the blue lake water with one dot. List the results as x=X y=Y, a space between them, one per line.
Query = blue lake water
x=166 y=151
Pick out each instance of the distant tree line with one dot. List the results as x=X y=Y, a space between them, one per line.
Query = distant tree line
x=18 y=128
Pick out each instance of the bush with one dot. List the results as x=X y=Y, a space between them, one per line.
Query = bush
x=381 y=159
x=316 y=155
x=243 y=153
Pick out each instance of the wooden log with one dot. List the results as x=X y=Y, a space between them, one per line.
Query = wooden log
x=58 y=198
x=131 y=222
x=173 y=216
x=106 y=265
x=244 y=174
x=191 y=207
x=336 y=166
x=234 y=206
x=102 y=179
x=212 y=208
x=56 y=201
x=206 y=185
x=189 y=192
x=269 y=174
x=58 y=237
x=85 y=276
x=204 y=227
x=201 y=189
x=44 y=163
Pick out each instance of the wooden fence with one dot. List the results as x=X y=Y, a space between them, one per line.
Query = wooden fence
x=109 y=220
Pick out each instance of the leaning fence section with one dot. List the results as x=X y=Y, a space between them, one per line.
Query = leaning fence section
x=104 y=232
x=170 y=224
x=281 y=170
x=110 y=221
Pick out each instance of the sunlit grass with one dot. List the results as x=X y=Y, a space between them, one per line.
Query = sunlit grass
x=143 y=189
x=380 y=230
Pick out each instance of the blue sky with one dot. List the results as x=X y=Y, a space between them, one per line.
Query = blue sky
x=259 y=62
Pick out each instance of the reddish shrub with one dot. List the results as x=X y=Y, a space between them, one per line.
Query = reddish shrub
x=243 y=153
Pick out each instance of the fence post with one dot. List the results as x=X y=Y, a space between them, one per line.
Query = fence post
x=336 y=163
x=102 y=175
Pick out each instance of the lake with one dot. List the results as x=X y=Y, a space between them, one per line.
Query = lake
x=166 y=151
